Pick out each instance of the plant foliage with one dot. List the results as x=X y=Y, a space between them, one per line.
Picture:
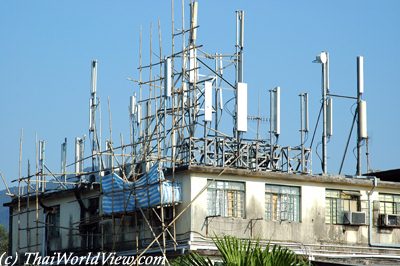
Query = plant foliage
x=238 y=252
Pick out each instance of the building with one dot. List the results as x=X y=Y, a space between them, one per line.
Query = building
x=181 y=180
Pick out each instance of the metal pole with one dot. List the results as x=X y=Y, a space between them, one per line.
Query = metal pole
x=324 y=102
x=270 y=129
x=302 y=131
x=239 y=57
x=360 y=89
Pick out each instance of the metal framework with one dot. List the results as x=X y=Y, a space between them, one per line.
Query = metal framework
x=173 y=122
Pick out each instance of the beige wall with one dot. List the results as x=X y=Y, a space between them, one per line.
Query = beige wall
x=312 y=228
x=193 y=224
x=35 y=229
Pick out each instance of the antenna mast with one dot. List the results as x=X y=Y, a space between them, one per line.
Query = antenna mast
x=362 y=111
x=323 y=59
x=92 y=116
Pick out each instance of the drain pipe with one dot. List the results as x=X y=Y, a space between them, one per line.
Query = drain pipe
x=370 y=243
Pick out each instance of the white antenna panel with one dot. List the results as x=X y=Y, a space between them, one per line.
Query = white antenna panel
x=184 y=92
x=193 y=20
x=362 y=119
x=329 y=117
x=138 y=113
x=208 y=101
x=221 y=100
x=276 y=111
x=167 y=77
x=77 y=154
x=221 y=66
x=91 y=115
x=241 y=17
x=241 y=111
x=132 y=106
x=94 y=76
x=192 y=65
x=360 y=74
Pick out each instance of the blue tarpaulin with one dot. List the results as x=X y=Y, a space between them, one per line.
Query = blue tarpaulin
x=123 y=196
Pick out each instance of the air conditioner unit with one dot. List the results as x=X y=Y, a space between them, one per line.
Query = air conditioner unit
x=354 y=218
x=389 y=220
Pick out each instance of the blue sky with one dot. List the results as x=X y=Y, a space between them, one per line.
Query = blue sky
x=46 y=48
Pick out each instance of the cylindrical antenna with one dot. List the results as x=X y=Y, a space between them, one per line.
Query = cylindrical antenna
x=110 y=162
x=193 y=21
x=208 y=101
x=94 y=76
x=91 y=121
x=360 y=74
x=221 y=101
x=77 y=155
x=276 y=111
x=184 y=92
x=329 y=117
x=240 y=43
x=362 y=111
x=241 y=107
x=362 y=120
x=241 y=33
x=221 y=66
x=193 y=64
x=327 y=73
x=139 y=114
x=132 y=105
x=167 y=77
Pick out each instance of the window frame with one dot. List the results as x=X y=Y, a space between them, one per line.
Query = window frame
x=53 y=222
x=219 y=203
x=273 y=208
x=395 y=208
x=344 y=201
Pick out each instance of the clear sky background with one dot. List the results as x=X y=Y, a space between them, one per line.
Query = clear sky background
x=46 y=48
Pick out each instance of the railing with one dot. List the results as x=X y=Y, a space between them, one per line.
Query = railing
x=254 y=155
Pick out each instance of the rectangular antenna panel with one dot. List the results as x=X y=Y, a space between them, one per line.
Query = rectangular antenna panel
x=241 y=111
x=184 y=92
x=192 y=65
x=221 y=100
x=94 y=76
x=362 y=119
x=221 y=66
x=193 y=21
x=276 y=111
x=208 y=101
x=139 y=114
x=360 y=74
x=77 y=154
x=167 y=77
x=63 y=156
x=132 y=106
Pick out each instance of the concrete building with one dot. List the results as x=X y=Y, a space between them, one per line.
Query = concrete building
x=352 y=220
x=181 y=180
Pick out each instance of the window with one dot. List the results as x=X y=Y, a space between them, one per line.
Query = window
x=282 y=203
x=226 y=199
x=53 y=222
x=389 y=204
x=338 y=201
